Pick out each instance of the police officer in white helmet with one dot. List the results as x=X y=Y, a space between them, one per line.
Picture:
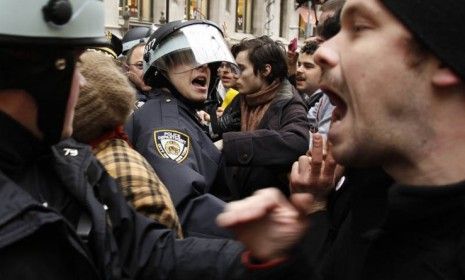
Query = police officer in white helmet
x=180 y=64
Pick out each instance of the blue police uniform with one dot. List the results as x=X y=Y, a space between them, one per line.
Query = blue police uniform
x=167 y=132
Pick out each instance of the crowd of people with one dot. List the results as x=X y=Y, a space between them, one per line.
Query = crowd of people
x=178 y=154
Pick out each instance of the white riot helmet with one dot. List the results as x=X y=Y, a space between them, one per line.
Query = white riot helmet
x=193 y=43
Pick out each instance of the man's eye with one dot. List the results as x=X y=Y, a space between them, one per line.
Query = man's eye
x=359 y=27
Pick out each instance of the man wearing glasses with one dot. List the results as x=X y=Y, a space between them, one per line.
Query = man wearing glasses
x=135 y=71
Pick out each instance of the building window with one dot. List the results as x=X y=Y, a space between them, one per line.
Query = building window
x=307 y=20
x=129 y=8
x=244 y=16
x=197 y=9
x=142 y=10
x=133 y=7
x=146 y=10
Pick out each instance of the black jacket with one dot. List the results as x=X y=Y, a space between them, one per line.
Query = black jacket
x=384 y=231
x=262 y=158
x=167 y=132
x=63 y=217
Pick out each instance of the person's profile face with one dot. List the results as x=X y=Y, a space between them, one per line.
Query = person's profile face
x=248 y=82
x=377 y=94
x=136 y=62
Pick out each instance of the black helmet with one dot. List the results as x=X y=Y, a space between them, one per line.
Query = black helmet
x=38 y=40
x=193 y=42
x=137 y=35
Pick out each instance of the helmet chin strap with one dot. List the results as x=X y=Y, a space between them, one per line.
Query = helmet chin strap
x=49 y=83
x=212 y=102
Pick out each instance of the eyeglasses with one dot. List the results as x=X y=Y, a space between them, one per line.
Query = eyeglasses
x=139 y=65
x=228 y=67
x=224 y=67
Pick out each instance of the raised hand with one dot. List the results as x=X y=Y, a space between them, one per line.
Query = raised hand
x=267 y=223
x=316 y=172
x=138 y=82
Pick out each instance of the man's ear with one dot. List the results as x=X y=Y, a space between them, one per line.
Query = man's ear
x=267 y=70
x=444 y=77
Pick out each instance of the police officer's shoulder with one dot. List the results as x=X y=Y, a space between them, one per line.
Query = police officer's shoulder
x=156 y=99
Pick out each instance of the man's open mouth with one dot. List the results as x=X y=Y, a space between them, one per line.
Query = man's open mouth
x=341 y=107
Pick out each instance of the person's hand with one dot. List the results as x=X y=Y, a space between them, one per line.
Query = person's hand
x=219 y=112
x=219 y=144
x=316 y=39
x=267 y=223
x=316 y=172
x=138 y=82
x=229 y=122
x=292 y=62
x=203 y=116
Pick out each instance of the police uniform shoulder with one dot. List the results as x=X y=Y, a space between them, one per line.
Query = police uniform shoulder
x=167 y=97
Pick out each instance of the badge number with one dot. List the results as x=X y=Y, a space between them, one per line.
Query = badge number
x=172 y=144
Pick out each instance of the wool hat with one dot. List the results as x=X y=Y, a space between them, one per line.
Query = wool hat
x=437 y=24
x=106 y=99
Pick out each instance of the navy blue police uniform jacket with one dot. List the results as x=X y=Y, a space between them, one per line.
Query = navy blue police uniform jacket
x=168 y=133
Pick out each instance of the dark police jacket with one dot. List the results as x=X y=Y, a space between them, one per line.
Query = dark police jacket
x=168 y=134
x=63 y=217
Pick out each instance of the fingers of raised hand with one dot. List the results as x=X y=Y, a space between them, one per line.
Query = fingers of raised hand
x=317 y=157
x=300 y=175
x=329 y=168
x=315 y=173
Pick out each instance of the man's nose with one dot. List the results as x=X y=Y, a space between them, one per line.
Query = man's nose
x=326 y=56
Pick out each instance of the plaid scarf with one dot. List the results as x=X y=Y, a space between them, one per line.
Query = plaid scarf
x=138 y=181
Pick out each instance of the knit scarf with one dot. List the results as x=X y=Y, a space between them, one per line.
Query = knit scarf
x=255 y=105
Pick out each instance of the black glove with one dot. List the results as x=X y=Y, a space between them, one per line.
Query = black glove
x=230 y=121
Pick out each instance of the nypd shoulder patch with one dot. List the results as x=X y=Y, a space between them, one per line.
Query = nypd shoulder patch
x=172 y=144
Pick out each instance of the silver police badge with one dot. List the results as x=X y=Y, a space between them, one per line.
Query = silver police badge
x=172 y=144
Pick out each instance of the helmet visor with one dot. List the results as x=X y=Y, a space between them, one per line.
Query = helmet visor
x=190 y=47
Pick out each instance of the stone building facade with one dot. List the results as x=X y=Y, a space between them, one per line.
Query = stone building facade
x=240 y=18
